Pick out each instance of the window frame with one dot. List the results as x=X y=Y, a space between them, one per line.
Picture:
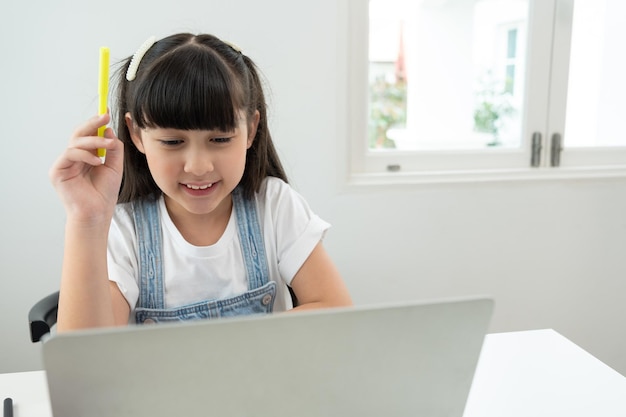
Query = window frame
x=544 y=104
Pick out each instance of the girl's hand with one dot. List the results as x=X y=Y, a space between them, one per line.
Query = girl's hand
x=88 y=188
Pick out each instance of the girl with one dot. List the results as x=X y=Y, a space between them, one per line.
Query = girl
x=191 y=215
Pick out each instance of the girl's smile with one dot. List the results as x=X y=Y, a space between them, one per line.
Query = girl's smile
x=200 y=189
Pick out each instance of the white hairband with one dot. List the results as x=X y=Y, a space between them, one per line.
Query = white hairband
x=232 y=45
x=131 y=73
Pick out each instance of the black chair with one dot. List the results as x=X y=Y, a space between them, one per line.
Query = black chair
x=42 y=316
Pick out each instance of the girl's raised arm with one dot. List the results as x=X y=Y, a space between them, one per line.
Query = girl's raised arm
x=88 y=189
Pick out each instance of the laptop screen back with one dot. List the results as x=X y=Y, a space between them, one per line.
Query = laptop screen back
x=410 y=359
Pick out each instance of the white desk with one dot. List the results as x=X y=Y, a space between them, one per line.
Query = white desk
x=531 y=374
x=29 y=392
x=541 y=373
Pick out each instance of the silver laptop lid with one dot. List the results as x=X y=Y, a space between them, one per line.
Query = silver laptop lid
x=410 y=359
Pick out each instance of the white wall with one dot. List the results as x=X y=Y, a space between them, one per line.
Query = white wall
x=550 y=252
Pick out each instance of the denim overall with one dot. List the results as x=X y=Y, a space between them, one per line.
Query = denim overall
x=151 y=307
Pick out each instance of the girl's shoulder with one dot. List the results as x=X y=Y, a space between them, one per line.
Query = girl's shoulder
x=282 y=200
x=276 y=192
x=124 y=217
x=123 y=211
x=123 y=208
x=123 y=221
x=272 y=186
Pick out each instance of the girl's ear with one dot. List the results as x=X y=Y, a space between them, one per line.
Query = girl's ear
x=252 y=127
x=134 y=133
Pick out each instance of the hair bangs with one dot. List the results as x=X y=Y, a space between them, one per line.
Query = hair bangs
x=190 y=88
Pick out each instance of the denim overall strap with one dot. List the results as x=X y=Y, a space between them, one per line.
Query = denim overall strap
x=148 y=228
x=251 y=238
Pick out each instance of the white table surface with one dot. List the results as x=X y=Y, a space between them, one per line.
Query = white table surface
x=29 y=391
x=532 y=374
x=541 y=373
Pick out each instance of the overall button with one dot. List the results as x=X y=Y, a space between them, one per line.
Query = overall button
x=149 y=321
x=267 y=298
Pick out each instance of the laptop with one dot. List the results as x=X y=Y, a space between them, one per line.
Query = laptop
x=403 y=359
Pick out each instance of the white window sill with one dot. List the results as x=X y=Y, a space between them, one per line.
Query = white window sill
x=474 y=176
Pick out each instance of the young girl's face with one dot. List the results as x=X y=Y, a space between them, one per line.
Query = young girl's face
x=196 y=169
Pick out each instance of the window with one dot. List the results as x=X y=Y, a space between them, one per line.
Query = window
x=596 y=85
x=473 y=88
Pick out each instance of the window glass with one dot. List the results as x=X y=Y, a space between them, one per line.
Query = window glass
x=596 y=84
x=446 y=75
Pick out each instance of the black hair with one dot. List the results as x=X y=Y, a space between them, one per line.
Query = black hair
x=192 y=82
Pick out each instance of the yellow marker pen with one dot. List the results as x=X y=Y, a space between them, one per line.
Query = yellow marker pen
x=103 y=92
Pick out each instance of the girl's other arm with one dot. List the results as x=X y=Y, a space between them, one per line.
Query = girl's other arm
x=318 y=283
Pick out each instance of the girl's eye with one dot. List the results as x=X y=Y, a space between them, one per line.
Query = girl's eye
x=221 y=140
x=171 y=142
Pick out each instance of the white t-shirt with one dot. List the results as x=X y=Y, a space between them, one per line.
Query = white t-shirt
x=195 y=273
